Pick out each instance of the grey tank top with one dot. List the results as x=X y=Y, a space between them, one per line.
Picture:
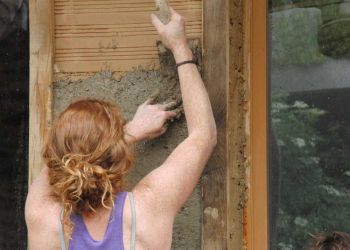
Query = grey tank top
x=113 y=239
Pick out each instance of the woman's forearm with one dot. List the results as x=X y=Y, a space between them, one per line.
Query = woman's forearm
x=196 y=101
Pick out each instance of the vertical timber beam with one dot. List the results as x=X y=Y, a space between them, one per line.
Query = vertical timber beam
x=41 y=20
x=216 y=75
x=257 y=206
x=226 y=74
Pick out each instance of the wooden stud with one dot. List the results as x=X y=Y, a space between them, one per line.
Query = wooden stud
x=41 y=64
x=226 y=74
x=215 y=76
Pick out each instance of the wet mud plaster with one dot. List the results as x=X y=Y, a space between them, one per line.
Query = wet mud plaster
x=128 y=92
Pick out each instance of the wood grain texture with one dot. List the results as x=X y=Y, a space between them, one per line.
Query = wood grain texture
x=226 y=74
x=257 y=206
x=215 y=76
x=41 y=64
x=116 y=35
x=214 y=236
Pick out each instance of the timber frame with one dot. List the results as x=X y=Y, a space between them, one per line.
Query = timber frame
x=235 y=191
x=234 y=184
x=40 y=80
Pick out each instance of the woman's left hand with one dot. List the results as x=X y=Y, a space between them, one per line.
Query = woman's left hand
x=149 y=121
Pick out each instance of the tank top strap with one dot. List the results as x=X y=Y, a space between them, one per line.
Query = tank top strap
x=115 y=228
x=133 y=221
x=60 y=232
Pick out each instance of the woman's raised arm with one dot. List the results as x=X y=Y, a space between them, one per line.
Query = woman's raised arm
x=168 y=187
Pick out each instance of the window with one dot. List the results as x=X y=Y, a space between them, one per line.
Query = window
x=309 y=125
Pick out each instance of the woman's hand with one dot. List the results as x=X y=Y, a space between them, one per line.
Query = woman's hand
x=173 y=35
x=149 y=121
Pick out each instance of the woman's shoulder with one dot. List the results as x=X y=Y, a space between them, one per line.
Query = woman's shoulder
x=42 y=230
x=42 y=213
x=153 y=231
x=41 y=206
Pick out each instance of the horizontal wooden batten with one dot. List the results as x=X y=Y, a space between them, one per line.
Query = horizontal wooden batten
x=119 y=18
x=107 y=42
x=113 y=33
x=171 y=2
x=116 y=65
x=122 y=8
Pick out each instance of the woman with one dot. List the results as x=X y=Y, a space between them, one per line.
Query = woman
x=79 y=201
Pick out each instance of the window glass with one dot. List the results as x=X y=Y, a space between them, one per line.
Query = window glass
x=309 y=81
x=14 y=65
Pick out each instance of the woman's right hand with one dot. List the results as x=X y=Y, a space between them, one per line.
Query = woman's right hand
x=149 y=120
x=172 y=34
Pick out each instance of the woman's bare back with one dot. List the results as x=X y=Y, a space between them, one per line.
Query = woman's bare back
x=43 y=218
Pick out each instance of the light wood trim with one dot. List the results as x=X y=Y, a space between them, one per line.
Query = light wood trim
x=41 y=75
x=257 y=206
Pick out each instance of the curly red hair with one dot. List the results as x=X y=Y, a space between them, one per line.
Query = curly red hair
x=87 y=157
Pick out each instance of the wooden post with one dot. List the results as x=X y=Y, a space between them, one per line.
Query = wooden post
x=222 y=221
x=41 y=74
x=215 y=76
x=226 y=74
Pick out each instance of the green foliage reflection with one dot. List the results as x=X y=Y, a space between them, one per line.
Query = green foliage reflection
x=312 y=197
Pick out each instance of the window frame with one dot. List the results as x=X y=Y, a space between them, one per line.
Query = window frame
x=257 y=228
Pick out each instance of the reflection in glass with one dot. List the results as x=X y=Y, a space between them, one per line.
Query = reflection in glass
x=309 y=77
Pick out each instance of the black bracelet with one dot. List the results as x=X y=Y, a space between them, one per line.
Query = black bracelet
x=186 y=62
